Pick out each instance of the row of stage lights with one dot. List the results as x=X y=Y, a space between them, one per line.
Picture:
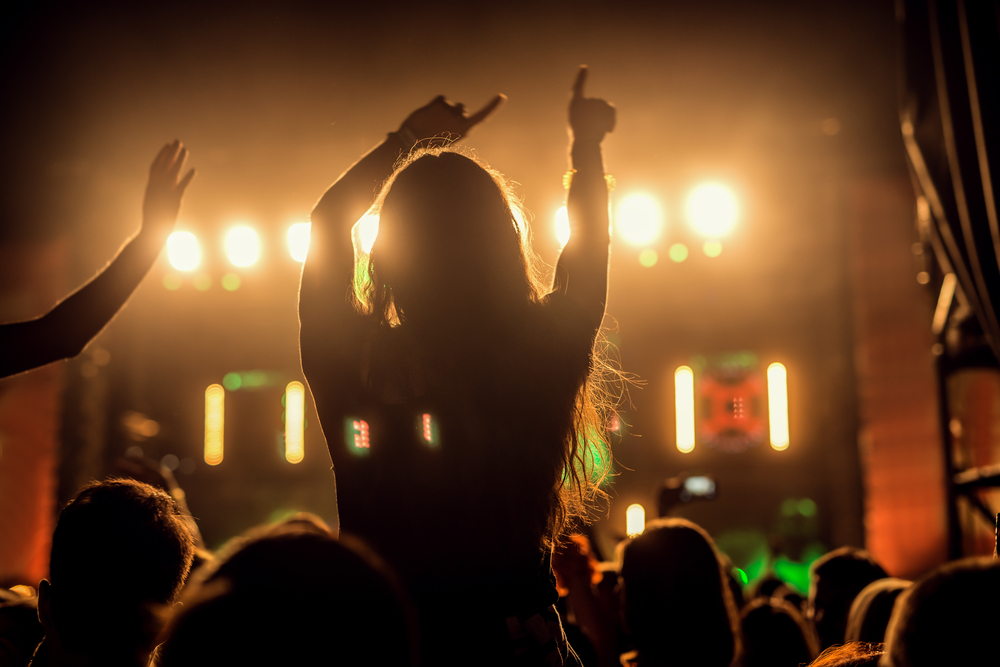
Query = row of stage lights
x=684 y=403
x=711 y=211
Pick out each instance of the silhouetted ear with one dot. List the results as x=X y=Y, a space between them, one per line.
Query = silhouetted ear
x=44 y=602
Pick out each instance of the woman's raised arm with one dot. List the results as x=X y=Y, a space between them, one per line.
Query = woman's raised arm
x=582 y=269
x=68 y=328
x=327 y=319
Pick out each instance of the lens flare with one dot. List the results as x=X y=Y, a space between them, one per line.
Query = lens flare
x=635 y=520
x=367 y=232
x=777 y=405
x=183 y=251
x=640 y=219
x=562 y=226
x=295 y=417
x=215 y=417
x=712 y=210
x=678 y=252
x=298 y=241
x=684 y=408
x=243 y=246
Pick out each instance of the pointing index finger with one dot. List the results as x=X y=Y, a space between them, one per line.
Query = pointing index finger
x=487 y=110
x=581 y=79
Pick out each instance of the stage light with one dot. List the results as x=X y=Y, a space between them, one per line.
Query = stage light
x=712 y=248
x=362 y=439
x=684 y=408
x=172 y=281
x=678 y=252
x=215 y=418
x=243 y=246
x=777 y=405
x=367 y=228
x=562 y=226
x=183 y=251
x=648 y=258
x=712 y=210
x=635 y=520
x=639 y=219
x=295 y=415
x=298 y=241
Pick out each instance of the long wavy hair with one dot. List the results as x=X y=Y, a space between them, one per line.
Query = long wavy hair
x=473 y=211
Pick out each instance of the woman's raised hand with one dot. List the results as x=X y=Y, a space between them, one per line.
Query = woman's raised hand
x=442 y=118
x=164 y=191
x=590 y=118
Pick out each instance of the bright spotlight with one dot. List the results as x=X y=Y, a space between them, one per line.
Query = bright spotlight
x=639 y=219
x=243 y=246
x=711 y=210
x=367 y=229
x=298 y=241
x=777 y=405
x=183 y=251
x=635 y=520
x=684 y=408
x=562 y=226
x=295 y=410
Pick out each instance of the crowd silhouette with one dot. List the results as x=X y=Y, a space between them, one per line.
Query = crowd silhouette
x=459 y=396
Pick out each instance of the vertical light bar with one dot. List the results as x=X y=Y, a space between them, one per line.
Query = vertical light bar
x=684 y=408
x=777 y=405
x=295 y=416
x=215 y=418
x=635 y=520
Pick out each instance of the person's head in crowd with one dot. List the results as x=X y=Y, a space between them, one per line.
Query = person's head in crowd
x=776 y=635
x=835 y=579
x=20 y=630
x=853 y=654
x=948 y=617
x=677 y=606
x=766 y=586
x=789 y=595
x=871 y=610
x=294 y=597
x=120 y=553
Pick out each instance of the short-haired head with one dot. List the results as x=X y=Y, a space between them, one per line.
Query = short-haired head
x=835 y=579
x=949 y=617
x=120 y=549
x=295 y=597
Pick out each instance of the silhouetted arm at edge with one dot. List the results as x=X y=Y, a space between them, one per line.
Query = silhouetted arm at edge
x=68 y=328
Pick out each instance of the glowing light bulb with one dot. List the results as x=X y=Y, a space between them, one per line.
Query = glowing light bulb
x=640 y=219
x=562 y=226
x=215 y=419
x=712 y=210
x=183 y=251
x=298 y=241
x=295 y=418
x=367 y=232
x=635 y=520
x=777 y=405
x=684 y=408
x=243 y=246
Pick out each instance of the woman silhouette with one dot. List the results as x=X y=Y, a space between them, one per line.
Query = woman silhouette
x=454 y=389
